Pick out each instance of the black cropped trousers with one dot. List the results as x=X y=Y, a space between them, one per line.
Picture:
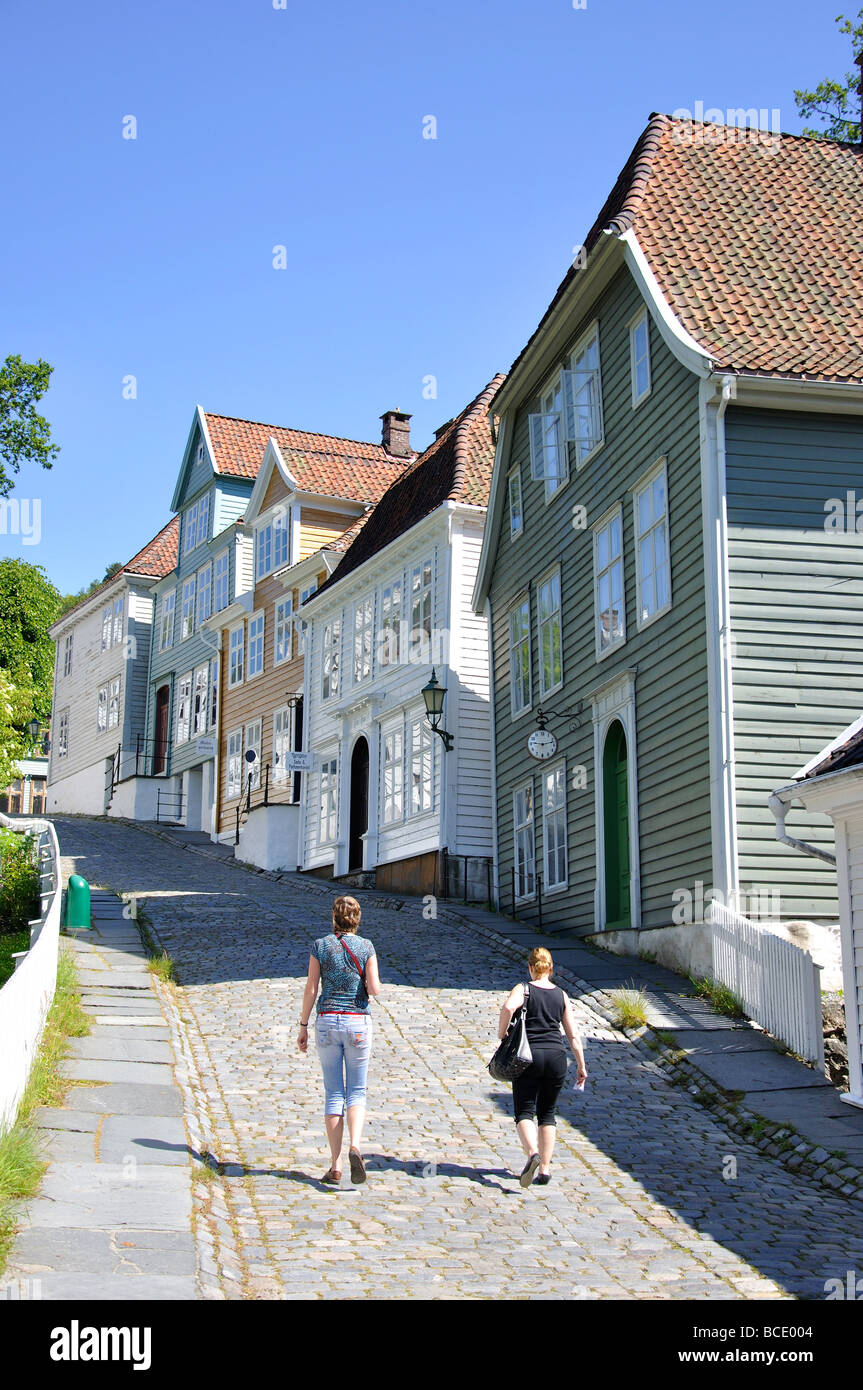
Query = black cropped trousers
x=536 y=1091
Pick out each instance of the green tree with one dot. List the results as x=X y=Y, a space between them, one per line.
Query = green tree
x=68 y=601
x=28 y=606
x=25 y=436
x=836 y=103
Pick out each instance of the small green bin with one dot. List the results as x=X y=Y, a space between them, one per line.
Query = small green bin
x=77 y=902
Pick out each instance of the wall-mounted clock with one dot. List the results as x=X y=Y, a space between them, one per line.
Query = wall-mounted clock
x=541 y=744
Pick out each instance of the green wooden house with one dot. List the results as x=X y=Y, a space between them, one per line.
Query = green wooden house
x=675 y=611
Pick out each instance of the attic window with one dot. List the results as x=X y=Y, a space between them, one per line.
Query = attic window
x=199 y=456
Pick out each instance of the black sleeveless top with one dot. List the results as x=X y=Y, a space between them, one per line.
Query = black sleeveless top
x=545 y=1009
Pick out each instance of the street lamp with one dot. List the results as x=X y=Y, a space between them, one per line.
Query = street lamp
x=33 y=727
x=434 y=695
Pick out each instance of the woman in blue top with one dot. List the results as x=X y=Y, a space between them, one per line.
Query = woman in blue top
x=347 y=973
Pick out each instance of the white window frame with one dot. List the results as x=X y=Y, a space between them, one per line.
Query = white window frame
x=521 y=605
x=328 y=801
x=363 y=635
x=67 y=655
x=282 y=742
x=255 y=658
x=283 y=631
x=390 y=635
x=392 y=776
x=117 y=629
x=214 y=692
x=205 y=586
x=263 y=550
x=169 y=604
x=234 y=765
x=552 y=622
x=281 y=537
x=421 y=787
x=190 y=528
x=114 y=703
x=305 y=594
x=102 y=710
x=641 y=318
x=553 y=410
x=524 y=829
x=200 y=699
x=236 y=655
x=604 y=524
x=63 y=734
x=221 y=580
x=187 y=616
x=659 y=470
x=184 y=708
x=421 y=599
x=516 y=503
x=554 y=827
x=573 y=387
x=331 y=659
x=107 y=624
x=252 y=738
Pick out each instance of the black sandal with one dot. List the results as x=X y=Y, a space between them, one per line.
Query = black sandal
x=358 y=1167
x=528 y=1170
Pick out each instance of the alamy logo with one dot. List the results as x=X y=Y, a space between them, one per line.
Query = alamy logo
x=710 y=126
x=851 y=1289
x=844 y=514
x=77 y=1343
x=21 y=518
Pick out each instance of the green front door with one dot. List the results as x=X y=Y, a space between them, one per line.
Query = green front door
x=616 y=826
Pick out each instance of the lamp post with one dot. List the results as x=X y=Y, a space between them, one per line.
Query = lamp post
x=33 y=728
x=434 y=694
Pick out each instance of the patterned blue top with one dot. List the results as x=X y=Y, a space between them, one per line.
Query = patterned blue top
x=342 y=989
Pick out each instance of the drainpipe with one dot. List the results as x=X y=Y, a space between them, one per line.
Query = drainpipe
x=726 y=698
x=780 y=804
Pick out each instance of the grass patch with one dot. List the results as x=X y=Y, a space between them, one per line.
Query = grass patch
x=162 y=965
x=630 y=1008
x=21 y=1165
x=159 y=962
x=722 y=998
x=9 y=942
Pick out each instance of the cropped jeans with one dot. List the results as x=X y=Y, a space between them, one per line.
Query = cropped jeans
x=344 y=1043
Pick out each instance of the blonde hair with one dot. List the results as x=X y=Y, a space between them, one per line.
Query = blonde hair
x=540 y=961
x=346 y=915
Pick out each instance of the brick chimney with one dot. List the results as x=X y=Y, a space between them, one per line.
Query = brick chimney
x=396 y=433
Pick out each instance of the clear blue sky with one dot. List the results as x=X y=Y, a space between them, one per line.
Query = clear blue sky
x=303 y=127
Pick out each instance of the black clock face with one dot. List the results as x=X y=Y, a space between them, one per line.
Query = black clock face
x=541 y=744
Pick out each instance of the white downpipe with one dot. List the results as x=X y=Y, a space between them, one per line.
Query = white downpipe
x=779 y=803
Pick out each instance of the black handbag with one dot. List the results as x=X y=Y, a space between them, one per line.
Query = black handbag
x=513 y=1056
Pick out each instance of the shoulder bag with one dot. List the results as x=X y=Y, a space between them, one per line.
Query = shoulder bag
x=513 y=1056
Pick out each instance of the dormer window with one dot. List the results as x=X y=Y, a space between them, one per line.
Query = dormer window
x=196 y=523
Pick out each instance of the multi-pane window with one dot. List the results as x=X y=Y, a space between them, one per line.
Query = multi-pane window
x=200 y=697
x=554 y=826
x=363 y=640
x=222 y=591
x=330 y=660
x=525 y=874
x=236 y=655
x=253 y=745
x=421 y=767
x=421 y=611
x=519 y=656
x=583 y=397
x=256 y=644
x=328 y=804
x=283 y=630
x=264 y=550
x=118 y=620
x=184 y=708
x=301 y=631
x=197 y=524
x=166 y=631
x=516 y=515
x=67 y=655
x=281 y=538
x=653 y=573
x=114 y=703
x=205 y=593
x=608 y=573
x=393 y=775
x=63 y=734
x=214 y=692
x=548 y=608
x=187 y=626
x=549 y=458
x=391 y=623
x=107 y=618
x=102 y=710
x=234 y=782
x=281 y=743
x=639 y=357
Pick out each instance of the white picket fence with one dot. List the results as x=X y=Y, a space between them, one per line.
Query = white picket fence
x=778 y=983
x=26 y=996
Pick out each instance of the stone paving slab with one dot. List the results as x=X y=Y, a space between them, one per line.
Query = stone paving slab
x=145 y=1138
x=101 y=1288
x=126 y=980
x=149 y=1028
x=97 y=1196
x=138 y=1073
x=49 y=1118
x=119 y=1098
x=759 y=1071
x=717 y=1040
x=104 y=1254
x=109 y=1045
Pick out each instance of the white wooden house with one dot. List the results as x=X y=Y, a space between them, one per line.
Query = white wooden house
x=384 y=797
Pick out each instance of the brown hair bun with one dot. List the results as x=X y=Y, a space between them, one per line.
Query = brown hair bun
x=346 y=915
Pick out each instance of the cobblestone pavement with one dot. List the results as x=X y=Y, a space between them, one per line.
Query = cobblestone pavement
x=651 y=1197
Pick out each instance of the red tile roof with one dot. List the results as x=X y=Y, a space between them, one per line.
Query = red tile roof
x=321 y=463
x=756 y=241
x=159 y=556
x=456 y=467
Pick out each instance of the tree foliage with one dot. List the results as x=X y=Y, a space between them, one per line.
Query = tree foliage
x=28 y=606
x=69 y=600
x=25 y=435
x=836 y=103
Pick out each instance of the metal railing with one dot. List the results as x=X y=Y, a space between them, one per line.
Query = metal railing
x=138 y=760
x=469 y=872
x=778 y=983
x=169 y=805
x=284 y=791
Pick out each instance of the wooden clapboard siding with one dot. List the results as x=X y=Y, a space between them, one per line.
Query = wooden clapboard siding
x=797 y=629
x=469 y=667
x=319 y=528
x=670 y=654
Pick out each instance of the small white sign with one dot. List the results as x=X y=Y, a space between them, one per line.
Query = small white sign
x=206 y=747
x=298 y=762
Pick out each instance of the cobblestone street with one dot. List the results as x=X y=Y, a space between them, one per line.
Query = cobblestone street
x=643 y=1202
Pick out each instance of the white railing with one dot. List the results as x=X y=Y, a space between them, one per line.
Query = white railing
x=778 y=983
x=26 y=996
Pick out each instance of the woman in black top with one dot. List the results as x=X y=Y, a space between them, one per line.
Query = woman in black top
x=536 y=1091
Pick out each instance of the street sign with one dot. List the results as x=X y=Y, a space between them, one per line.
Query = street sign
x=298 y=762
x=206 y=747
